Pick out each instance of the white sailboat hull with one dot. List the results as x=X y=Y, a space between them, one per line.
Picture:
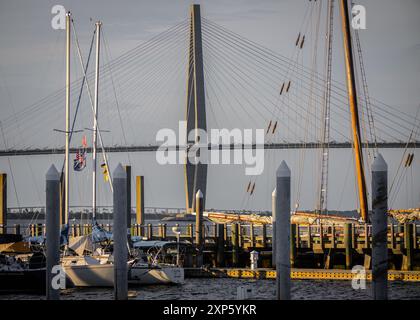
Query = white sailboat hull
x=90 y=275
x=89 y=272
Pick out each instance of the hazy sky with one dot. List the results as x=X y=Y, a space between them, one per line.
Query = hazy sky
x=31 y=67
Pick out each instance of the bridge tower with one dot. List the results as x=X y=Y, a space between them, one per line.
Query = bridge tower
x=195 y=174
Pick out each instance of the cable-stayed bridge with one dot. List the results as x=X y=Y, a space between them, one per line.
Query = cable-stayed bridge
x=200 y=72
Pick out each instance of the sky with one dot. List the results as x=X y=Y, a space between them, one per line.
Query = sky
x=32 y=67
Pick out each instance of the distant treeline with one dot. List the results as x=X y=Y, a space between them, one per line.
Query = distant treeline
x=29 y=215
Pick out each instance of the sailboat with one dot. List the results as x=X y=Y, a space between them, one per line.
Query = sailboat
x=321 y=214
x=91 y=265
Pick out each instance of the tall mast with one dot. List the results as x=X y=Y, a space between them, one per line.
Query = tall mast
x=323 y=195
x=95 y=119
x=351 y=89
x=67 y=133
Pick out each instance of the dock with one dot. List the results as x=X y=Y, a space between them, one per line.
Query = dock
x=326 y=247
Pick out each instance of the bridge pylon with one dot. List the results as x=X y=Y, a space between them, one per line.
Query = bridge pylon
x=195 y=173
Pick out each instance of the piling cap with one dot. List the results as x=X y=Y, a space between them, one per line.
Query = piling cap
x=119 y=172
x=283 y=170
x=199 y=194
x=52 y=173
x=274 y=193
x=379 y=163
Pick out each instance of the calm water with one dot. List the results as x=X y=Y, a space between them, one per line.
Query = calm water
x=226 y=289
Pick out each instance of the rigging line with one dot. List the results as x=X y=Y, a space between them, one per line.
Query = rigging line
x=145 y=62
x=210 y=79
x=92 y=106
x=58 y=93
x=217 y=88
x=174 y=75
x=209 y=87
x=243 y=205
x=325 y=134
x=146 y=78
x=115 y=96
x=80 y=95
x=221 y=59
x=230 y=45
x=235 y=98
x=311 y=102
x=342 y=109
x=399 y=176
x=247 y=66
x=267 y=52
x=20 y=135
x=366 y=91
x=10 y=168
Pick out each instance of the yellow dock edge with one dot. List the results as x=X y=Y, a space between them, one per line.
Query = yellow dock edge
x=301 y=274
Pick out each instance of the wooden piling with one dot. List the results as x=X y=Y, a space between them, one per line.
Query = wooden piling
x=3 y=199
x=293 y=245
x=408 y=247
x=120 y=234
x=235 y=243
x=190 y=232
x=149 y=231
x=220 y=255
x=264 y=235
x=283 y=283
x=252 y=235
x=199 y=234
x=17 y=228
x=348 y=244
x=140 y=202
x=273 y=228
x=128 y=173
x=52 y=215
x=379 y=228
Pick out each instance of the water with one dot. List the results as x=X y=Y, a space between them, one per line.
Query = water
x=226 y=289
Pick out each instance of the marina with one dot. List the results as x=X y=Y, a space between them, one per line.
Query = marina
x=324 y=192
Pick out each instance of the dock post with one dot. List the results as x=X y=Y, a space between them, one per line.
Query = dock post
x=3 y=201
x=190 y=232
x=264 y=235
x=293 y=249
x=149 y=231
x=408 y=246
x=379 y=228
x=199 y=226
x=120 y=234
x=52 y=215
x=17 y=228
x=140 y=203
x=283 y=232
x=128 y=173
x=220 y=257
x=252 y=235
x=348 y=242
x=273 y=228
x=235 y=243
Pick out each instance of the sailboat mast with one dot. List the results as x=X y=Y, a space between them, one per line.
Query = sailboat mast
x=351 y=88
x=323 y=194
x=95 y=119
x=67 y=133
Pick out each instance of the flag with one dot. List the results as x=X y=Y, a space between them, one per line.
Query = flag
x=84 y=142
x=80 y=161
x=105 y=171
